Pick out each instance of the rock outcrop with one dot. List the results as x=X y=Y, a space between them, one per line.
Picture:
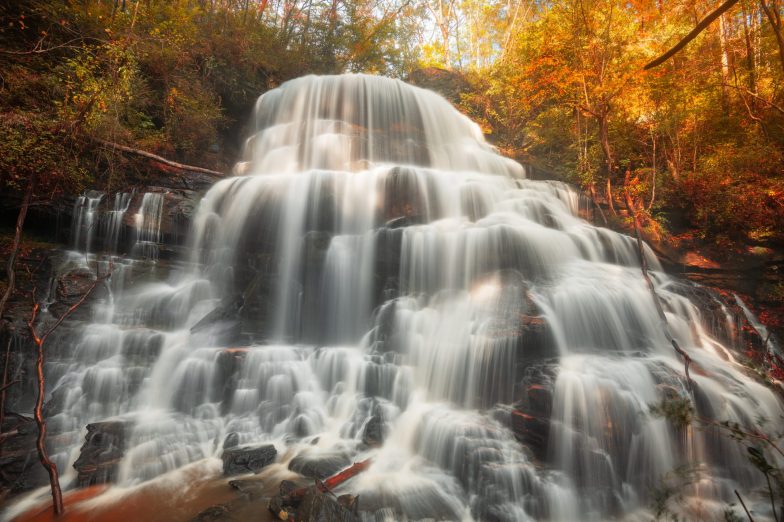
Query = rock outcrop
x=247 y=459
x=104 y=447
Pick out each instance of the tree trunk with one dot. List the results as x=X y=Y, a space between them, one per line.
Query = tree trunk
x=725 y=63
x=774 y=17
x=592 y=192
x=6 y=364
x=40 y=443
x=604 y=139
x=10 y=266
x=750 y=63
x=39 y=340
x=653 y=173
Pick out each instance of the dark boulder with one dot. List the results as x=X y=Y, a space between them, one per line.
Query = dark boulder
x=529 y=418
x=103 y=448
x=225 y=379
x=213 y=514
x=249 y=489
x=320 y=507
x=232 y=440
x=373 y=434
x=405 y=199
x=223 y=324
x=21 y=469
x=319 y=466
x=239 y=460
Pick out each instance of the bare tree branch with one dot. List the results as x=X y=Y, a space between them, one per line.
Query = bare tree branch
x=159 y=159
x=43 y=455
x=644 y=268
x=705 y=22
x=11 y=262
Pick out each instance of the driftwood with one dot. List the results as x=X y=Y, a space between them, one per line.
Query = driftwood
x=705 y=22
x=159 y=159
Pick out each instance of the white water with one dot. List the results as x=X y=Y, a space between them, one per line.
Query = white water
x=406 y=262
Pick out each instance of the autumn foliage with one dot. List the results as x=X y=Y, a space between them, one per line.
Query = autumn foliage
x=558 y=84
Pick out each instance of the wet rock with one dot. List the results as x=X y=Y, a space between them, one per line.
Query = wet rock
x=225 y=378
x=286 y=487
x=232 y=440
x=21 y=469
x=537 y=338
x=320 y=507
x=247 y=459
x=387 y=265
x=405 y=221
x=249 y=489
x=249 y=493
x=278 y=507
x=373 y=434
x=74 y=284
x=223 y=322
x=319 y=466
x=529 y=418
x=405 y=200
x=350 y=502
x=213 y=513
x=532 y=430
x=103 y=448
x=177 y=210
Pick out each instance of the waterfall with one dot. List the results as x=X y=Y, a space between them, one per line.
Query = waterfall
x=374 y=257
x=147 y=226
x=83 y=227
x=113 y=221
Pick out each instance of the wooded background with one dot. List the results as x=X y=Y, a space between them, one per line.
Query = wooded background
x=559 y=84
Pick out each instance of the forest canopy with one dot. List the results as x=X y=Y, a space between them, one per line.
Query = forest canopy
x=698 y=140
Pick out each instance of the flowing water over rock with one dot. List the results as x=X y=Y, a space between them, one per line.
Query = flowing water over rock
x=377 y=282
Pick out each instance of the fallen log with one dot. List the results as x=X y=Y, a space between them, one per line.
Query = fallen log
x=159 y=159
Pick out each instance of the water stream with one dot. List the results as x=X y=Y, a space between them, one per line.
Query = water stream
x=383 y=262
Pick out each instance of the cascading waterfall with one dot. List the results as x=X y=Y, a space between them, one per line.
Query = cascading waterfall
x=385 y=262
